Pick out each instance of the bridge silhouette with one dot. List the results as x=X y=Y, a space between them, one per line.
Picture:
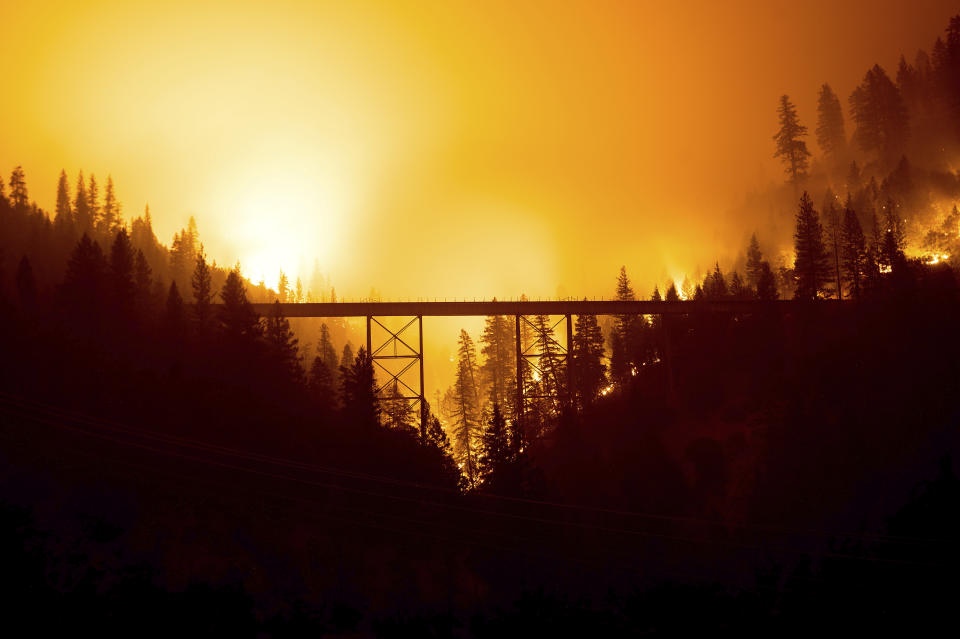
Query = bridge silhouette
x=397 y=346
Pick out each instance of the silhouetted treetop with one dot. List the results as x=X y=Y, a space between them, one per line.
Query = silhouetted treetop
x=831 y=135
x=790 y=148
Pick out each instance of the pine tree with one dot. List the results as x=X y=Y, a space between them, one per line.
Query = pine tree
x=854 y=178
x=282 y=346
x=397 y=413
x=83 y=283
x=495 y=448
x=437 y=437
x=81 y=208
x=85 y=270
x=738 y=290
x=624 y=336
x=672 y=294
x=360 y=403
x=110 y=219
x=589 y=371
x=192 y=237
x=64 y=215
x=321 y=384
x=552 y=365
x=238 y=321
x=791 y=150
x=93 y=202
x=345 y=372
x=831 y=217
x=831 y=135
x=18 y=189
x=143 y=238
x=122 y=271
x=852 y=248
x=715 y=285
x=500 y=360
x=880 y=115
x=767 y=284
x=892 y=241
x=178 y=262
x=326 y=352
x=754 y=262
x=872 y=261
x=656 y=320
x=283 y=287
x=183 y=253
x=811 y=266
x=467 y=408
x=908 y=81
x=202 y=285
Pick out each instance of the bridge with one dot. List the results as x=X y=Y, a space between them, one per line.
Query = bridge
x=398 y=345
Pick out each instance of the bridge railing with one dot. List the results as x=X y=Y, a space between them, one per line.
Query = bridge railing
x=528 y=307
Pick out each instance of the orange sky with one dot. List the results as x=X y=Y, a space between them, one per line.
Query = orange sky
x=435 y=149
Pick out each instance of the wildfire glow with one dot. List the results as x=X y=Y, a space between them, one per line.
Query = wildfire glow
x=678 y=285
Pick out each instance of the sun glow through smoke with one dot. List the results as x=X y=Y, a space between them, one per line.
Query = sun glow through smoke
x=284 y=216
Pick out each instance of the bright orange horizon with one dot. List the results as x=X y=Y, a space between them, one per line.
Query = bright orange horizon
x=449 y=149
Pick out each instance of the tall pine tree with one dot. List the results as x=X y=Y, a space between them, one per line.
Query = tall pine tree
x=811 y=266
x=64 y=214
x=397 y=412
x=495 y=449
x=238 y=321
x=122 y=272
x=19 y=198
x=360 y=405
x=852 y=249
x=831 y=136
x=282 y=346
x=624 y=335
x=790 y=148
x=499 y=367
x=202 y=285
x=466 y=410
x=81 y=207
x=880 y=115
x=109 y=219
x=832 y=221
x=93 y=202
x=589 y=371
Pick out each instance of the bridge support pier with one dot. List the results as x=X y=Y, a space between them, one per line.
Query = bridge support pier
x=393 y=350
x=541 y=346
x=521 y=435
x=570 y=390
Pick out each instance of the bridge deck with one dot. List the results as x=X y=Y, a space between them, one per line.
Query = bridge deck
x=545 y=307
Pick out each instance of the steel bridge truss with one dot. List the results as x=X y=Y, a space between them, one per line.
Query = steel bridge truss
x=395 y=357
x=533 y=355
x=396 y=348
